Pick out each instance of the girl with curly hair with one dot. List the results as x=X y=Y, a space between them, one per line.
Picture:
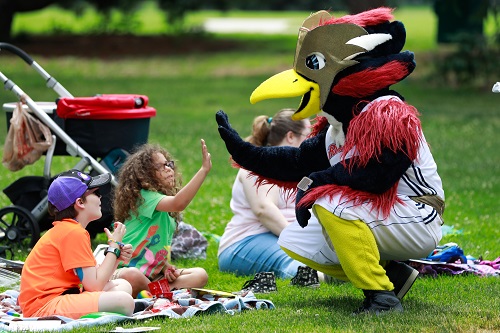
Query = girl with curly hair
x=149 y=199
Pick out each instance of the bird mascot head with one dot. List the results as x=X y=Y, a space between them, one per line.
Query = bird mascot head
x=339 y=61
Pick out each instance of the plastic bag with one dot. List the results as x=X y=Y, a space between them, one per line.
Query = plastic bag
x=28 y=138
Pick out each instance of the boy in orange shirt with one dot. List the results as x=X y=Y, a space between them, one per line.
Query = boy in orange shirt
x=60 y=275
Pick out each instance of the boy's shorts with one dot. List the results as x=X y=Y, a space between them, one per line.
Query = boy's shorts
x=71 y=305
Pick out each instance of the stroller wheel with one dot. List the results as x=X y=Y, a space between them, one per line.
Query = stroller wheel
x=18 y=229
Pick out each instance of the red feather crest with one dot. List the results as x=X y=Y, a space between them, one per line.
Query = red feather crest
x=364 y=19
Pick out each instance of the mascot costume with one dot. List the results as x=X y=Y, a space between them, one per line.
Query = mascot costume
x=368 y=192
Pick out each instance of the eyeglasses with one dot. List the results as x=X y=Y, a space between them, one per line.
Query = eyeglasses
x=167 y=164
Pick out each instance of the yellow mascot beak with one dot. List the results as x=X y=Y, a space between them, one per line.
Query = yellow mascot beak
x=290 y=84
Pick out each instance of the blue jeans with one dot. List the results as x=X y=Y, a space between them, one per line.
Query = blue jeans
x=258 y=253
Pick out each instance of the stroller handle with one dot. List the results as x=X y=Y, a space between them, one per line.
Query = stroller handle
x=50 y=81
x=17 y=51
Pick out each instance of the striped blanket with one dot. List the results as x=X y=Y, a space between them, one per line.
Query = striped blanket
x=185 y=304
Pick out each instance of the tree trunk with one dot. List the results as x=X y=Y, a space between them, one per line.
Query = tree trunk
x=6 y=16
x=8 y=8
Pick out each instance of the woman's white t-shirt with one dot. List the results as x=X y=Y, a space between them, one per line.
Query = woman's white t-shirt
x=244 y=222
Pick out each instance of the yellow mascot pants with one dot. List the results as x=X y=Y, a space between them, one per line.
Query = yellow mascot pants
x=356 y=249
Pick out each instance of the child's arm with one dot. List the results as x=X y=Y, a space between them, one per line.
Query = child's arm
x=182 y=199
x=95 y=278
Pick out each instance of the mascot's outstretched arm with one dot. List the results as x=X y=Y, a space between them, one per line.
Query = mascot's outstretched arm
x=291 y=164
x=285 y=164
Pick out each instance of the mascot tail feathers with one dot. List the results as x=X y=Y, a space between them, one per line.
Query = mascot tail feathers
x=288 y=188
x=381 y=203
x=388 y=123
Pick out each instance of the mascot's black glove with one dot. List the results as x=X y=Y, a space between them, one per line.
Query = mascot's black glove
x=302 y=214
x=234 y=143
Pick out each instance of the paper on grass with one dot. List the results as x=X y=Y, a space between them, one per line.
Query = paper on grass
x=200 y=292
x=135 y=329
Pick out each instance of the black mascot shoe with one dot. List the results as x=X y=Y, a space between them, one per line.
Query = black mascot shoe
x=402 y=277
x=379 y=301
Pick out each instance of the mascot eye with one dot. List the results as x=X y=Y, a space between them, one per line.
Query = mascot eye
x=315 y=61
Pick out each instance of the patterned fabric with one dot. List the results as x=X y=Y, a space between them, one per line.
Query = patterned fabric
x=188 y=243
x=306 y=277
x=184 y=305
x=263 y=282
x=479 y=267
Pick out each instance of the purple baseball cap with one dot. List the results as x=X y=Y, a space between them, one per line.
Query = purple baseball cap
x=71 y=185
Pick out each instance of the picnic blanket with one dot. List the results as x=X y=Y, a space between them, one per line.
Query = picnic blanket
x=184 y=304
x=475 y=267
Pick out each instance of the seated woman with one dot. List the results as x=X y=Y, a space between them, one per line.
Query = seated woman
x=249 y=244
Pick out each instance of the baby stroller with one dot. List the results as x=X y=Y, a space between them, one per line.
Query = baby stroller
x=100 y=131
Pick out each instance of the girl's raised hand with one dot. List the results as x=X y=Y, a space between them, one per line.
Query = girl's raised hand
x=207 y=161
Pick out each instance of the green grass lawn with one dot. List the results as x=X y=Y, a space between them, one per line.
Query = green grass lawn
x=461 y=126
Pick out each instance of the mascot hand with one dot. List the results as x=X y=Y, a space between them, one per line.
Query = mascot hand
x=232 y=139
x=302 y=213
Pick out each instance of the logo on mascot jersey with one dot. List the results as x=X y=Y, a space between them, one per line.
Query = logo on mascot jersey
x=333 y=150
